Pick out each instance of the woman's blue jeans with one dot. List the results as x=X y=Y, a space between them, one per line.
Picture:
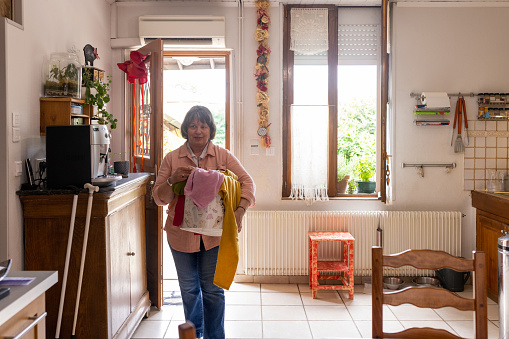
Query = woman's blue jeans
x=203 y=301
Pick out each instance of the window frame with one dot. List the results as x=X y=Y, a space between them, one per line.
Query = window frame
x=332 y=60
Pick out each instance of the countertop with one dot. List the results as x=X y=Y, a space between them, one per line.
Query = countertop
x=21 y=296
x=119 y=185
x=495 y=203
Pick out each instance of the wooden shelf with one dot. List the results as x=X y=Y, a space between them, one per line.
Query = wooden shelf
x=57 y=111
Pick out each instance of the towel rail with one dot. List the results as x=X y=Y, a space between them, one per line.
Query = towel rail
x=420 y=167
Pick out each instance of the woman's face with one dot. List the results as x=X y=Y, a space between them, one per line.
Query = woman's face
x=198 y=134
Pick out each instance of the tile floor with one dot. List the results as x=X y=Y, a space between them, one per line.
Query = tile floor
x=288 y=311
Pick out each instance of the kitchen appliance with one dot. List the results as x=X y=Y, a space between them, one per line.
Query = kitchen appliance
x=76 y=155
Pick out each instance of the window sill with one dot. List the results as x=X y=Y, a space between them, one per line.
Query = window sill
x=371 y=197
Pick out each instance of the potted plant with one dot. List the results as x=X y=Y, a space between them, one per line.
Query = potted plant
x=97 y=94
x=365 y=171
x=345 y=170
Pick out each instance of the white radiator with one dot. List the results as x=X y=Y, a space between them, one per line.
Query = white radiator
x=276 y=242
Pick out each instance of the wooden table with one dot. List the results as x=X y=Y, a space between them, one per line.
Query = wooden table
x=344 y=266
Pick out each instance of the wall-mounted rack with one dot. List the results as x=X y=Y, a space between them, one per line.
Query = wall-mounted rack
x=420 y=167
x=458 y=94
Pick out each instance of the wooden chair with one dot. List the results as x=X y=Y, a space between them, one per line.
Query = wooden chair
x=429 y=297
x=187 y=331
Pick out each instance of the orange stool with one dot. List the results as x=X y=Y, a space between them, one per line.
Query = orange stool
x=345 y=266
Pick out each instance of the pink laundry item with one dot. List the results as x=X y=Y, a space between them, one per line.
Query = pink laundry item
x=203 y=186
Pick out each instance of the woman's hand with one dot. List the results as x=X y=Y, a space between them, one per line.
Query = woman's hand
x=239 y=214
x=181 y=174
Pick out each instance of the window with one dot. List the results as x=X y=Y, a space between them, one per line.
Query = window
x=331 y=78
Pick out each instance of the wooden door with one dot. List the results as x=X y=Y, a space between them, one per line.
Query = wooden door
x=488 y=232
x=137 y=248
x=148 y=102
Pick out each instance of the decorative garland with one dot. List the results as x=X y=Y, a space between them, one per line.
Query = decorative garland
x=262 y=70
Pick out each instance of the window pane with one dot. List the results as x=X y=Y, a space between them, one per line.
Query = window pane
x=357 y=95
x=310 y=85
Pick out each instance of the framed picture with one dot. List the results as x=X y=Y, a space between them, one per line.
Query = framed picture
x=6 y=8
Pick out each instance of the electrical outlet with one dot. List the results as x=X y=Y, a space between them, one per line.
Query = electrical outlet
x=18 y=168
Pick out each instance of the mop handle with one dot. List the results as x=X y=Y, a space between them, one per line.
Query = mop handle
x=91 y=190
x=66 y=267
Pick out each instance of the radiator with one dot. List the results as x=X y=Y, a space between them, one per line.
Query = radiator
x=276 y=242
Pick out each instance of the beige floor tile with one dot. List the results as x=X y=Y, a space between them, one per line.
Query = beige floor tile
x=451 y=313
x=166 y=312
x=242 y=298
x=424 y=323
x=334 y=329
x=364 y=313
x=496 y=323
x=327 y=313
x=286 y=329
x=304 y=288
x=173 y=330
x=243 y=312
x=244 y=287
x=365 y=327
x=466 y=329
x=285 y=288
x=287 y=299
x=283 y=313
x=179 y=314
x=243 y=329
x=323 y=298
x=493 y=312
x=151 y=329
x=411 y=312
x=359 y=299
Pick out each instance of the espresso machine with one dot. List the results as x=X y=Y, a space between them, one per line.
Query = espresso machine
x=76 y=155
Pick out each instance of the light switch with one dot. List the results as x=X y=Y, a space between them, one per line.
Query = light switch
x=16 y=119
x=16 y=134
x=270 y=151
x=18 y=168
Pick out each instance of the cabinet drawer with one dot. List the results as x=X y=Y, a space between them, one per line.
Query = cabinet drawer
x=32 y=315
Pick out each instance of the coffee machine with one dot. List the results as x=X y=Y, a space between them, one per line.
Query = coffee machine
x=76 y=155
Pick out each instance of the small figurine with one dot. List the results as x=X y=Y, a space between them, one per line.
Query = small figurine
x=90 y=54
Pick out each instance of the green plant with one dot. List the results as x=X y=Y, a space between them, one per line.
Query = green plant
x=365 y=169
x=352 y=187
x=345 y=167
x=99 y=97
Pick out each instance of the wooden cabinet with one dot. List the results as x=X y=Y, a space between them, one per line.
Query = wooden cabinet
x=114 y=296
x=23 y=312
x=492 y=222
x=59 y=111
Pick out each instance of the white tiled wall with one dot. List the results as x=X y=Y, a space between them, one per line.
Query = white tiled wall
x=487 y=150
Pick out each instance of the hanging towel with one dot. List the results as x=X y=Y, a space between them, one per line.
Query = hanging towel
x=202 y=186
x=228 y=257
x=178 y=189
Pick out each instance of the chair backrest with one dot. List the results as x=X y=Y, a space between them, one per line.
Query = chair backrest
x=187 y=331
x=429 y=297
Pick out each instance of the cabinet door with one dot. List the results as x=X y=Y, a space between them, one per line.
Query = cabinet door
x=137 y=262
x=120 y=281
x=488 y=232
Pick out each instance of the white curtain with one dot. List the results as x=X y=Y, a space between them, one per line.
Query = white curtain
x=309 y=152
x=309 y=30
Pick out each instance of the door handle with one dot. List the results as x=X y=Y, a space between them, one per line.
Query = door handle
x=35 y=321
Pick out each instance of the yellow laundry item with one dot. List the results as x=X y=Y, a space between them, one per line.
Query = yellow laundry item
x=228 y=257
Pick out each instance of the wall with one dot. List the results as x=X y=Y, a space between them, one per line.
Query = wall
x=434 y=49
x=448 y=49
x=48 y=26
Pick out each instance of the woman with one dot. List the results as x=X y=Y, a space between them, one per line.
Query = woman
x=195 y=255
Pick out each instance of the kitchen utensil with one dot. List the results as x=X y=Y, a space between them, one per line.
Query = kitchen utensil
x=454 y=124
x=426 y=281
x=67 y=257
x=466 y=121
x=91 y=190
x=459 y=147
x=393 y=283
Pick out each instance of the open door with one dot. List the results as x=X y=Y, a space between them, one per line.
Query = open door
x=146 y=143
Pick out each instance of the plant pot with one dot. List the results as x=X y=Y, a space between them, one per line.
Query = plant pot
x=366 y=186
x=343 y=185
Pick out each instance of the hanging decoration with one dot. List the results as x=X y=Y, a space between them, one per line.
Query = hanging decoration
x=262 y=70
x=137 y=75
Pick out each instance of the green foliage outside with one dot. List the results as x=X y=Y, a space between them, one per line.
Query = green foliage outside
x=356 y=139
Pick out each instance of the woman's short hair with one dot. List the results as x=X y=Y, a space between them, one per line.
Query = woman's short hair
x=204 y=115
